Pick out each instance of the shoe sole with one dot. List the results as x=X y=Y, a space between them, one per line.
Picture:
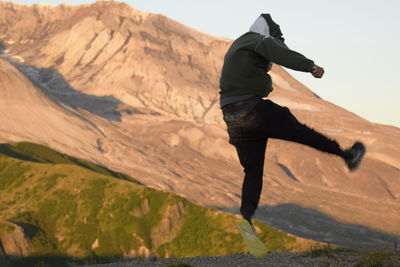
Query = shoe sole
x=254 y=245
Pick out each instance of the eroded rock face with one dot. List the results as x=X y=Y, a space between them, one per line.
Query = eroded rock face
x=92 y=44
x=142 y=209
x=16 y=243
x=138 y=93
x=170 y=225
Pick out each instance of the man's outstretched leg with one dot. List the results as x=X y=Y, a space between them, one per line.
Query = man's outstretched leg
x=251 y=155
x=280 y=123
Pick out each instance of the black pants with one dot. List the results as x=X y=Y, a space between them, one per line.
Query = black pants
x=250 y=123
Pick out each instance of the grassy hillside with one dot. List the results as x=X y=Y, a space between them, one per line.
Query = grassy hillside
x=68 y=207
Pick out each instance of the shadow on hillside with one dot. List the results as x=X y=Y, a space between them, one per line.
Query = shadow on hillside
x=41 y=154
x=2 y=47
x=313 y=224
x=53 y=84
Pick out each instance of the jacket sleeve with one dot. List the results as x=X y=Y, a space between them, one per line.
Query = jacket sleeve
x=277 y=52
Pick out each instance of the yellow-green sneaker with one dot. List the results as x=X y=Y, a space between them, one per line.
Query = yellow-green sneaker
x=255 y=246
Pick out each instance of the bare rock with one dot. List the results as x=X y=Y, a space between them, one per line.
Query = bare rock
x=16 y=243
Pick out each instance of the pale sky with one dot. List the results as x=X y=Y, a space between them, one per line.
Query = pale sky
x=356 y=41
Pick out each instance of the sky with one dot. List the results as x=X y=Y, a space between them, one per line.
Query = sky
x=357 y=42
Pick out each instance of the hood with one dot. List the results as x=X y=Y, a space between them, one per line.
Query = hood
x=265 y=26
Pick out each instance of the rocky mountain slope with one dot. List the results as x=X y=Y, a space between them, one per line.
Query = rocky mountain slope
x=138 y=93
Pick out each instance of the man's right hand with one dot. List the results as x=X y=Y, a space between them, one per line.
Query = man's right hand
x=317 y=71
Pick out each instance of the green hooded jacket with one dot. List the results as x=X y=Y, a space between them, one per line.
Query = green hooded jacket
x=250 y=57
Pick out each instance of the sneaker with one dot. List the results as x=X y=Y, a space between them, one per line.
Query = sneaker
x=255 y=246
x=354 y=155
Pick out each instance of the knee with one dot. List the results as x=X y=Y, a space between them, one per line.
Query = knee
x=256 y=171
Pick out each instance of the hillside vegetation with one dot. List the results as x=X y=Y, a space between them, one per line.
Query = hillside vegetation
x=68 y=207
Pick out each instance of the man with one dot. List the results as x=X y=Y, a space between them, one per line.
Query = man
x=251 y=120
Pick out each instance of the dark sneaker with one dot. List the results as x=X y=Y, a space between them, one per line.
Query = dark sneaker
x=354 y=155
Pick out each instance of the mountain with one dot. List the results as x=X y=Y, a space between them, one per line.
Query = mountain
x=138 y=93
x=61 y=207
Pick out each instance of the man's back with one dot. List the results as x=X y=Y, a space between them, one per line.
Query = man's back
x=245 y=71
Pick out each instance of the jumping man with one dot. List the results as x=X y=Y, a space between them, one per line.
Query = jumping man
x=252 y=120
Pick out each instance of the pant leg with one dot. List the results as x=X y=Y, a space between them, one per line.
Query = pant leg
x=251 y=155
x=280 y=123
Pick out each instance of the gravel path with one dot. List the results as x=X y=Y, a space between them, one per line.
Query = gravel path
x=288 y=259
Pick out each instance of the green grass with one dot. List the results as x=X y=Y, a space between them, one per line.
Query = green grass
x=70 y=208
x=50 y=181
x=211 y=233
x=275 y=240
x=41 y=154
x=12 y=173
